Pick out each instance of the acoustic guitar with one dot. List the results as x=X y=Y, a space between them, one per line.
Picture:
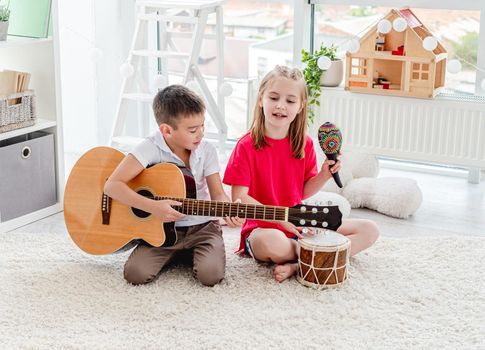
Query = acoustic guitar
x=100 y=225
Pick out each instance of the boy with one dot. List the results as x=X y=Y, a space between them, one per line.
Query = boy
x=180 y=115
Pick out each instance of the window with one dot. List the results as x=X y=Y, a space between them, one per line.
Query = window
x=455 y=24
x=262 y=33
x=420 y=71
x=359 y=67
x=257 y=36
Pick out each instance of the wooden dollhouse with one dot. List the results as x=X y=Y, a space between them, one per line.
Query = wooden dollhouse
x=396 y=63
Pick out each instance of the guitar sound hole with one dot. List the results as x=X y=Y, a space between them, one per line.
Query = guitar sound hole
x=138 y=212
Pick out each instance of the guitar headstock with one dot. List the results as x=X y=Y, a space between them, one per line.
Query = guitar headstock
x=307 y=215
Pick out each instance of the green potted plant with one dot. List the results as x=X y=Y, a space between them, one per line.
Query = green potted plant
x=4 y=17
x=315 y=76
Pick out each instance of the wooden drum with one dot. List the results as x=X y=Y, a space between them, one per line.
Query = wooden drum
x=323 y=259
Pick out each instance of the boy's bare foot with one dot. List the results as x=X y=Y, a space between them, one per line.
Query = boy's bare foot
x=282 y=272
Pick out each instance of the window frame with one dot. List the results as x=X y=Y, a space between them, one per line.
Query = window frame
x=420 y=71
x=360 y=66
x=304 y=33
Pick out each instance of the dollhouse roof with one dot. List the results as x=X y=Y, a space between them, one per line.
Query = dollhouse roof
x=414 y=25
x=410 y=17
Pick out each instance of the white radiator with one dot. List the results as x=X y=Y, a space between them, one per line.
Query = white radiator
x=440 y=130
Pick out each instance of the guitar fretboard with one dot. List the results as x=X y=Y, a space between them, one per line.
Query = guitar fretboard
x=221 y=209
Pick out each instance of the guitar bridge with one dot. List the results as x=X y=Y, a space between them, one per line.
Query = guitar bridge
x=106 y=208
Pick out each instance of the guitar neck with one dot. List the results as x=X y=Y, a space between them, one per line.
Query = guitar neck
x=221 y=209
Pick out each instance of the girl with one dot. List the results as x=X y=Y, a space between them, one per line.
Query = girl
x=275 y=164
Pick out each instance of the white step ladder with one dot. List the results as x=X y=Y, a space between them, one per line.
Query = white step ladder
x=167 y=13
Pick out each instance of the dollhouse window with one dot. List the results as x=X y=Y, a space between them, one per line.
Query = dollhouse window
x=420 y=71
x=359 y=67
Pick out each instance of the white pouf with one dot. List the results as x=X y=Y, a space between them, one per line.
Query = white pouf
x=394 y=196
x=321 y=198
x=354 y=165
x=361 y=164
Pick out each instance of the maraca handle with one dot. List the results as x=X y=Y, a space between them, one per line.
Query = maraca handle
x=336 y=177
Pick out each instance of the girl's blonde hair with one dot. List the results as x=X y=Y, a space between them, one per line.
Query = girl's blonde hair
x=298 y=127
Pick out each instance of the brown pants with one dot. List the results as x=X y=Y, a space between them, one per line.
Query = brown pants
x=205 y=241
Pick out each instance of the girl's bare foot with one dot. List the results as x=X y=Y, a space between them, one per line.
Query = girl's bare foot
x=282 y=272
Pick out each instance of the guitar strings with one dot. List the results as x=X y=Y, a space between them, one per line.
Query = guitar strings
x=233 y=209
x=260 y=207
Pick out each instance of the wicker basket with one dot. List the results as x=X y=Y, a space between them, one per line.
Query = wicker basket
x=19 y=115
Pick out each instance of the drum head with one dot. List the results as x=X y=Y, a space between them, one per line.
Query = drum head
x=325 y=238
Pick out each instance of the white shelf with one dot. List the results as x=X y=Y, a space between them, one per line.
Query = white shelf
x=13 y=41
x=39 y=57
x=29 y=218
x=40 y=124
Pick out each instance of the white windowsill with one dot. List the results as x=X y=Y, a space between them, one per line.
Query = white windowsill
x=442 y=96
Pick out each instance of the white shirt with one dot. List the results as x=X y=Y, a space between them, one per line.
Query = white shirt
x=203 y=162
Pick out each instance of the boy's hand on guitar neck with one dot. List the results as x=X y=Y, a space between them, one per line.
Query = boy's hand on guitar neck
x=163 y=210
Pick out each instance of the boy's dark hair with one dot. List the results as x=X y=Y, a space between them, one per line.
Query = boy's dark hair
x=175 y=102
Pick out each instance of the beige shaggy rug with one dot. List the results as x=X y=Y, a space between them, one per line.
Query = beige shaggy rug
x=426 y=293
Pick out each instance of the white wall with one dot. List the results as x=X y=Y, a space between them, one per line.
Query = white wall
x=114 y=23
x=75 y=40
x=90 y=88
